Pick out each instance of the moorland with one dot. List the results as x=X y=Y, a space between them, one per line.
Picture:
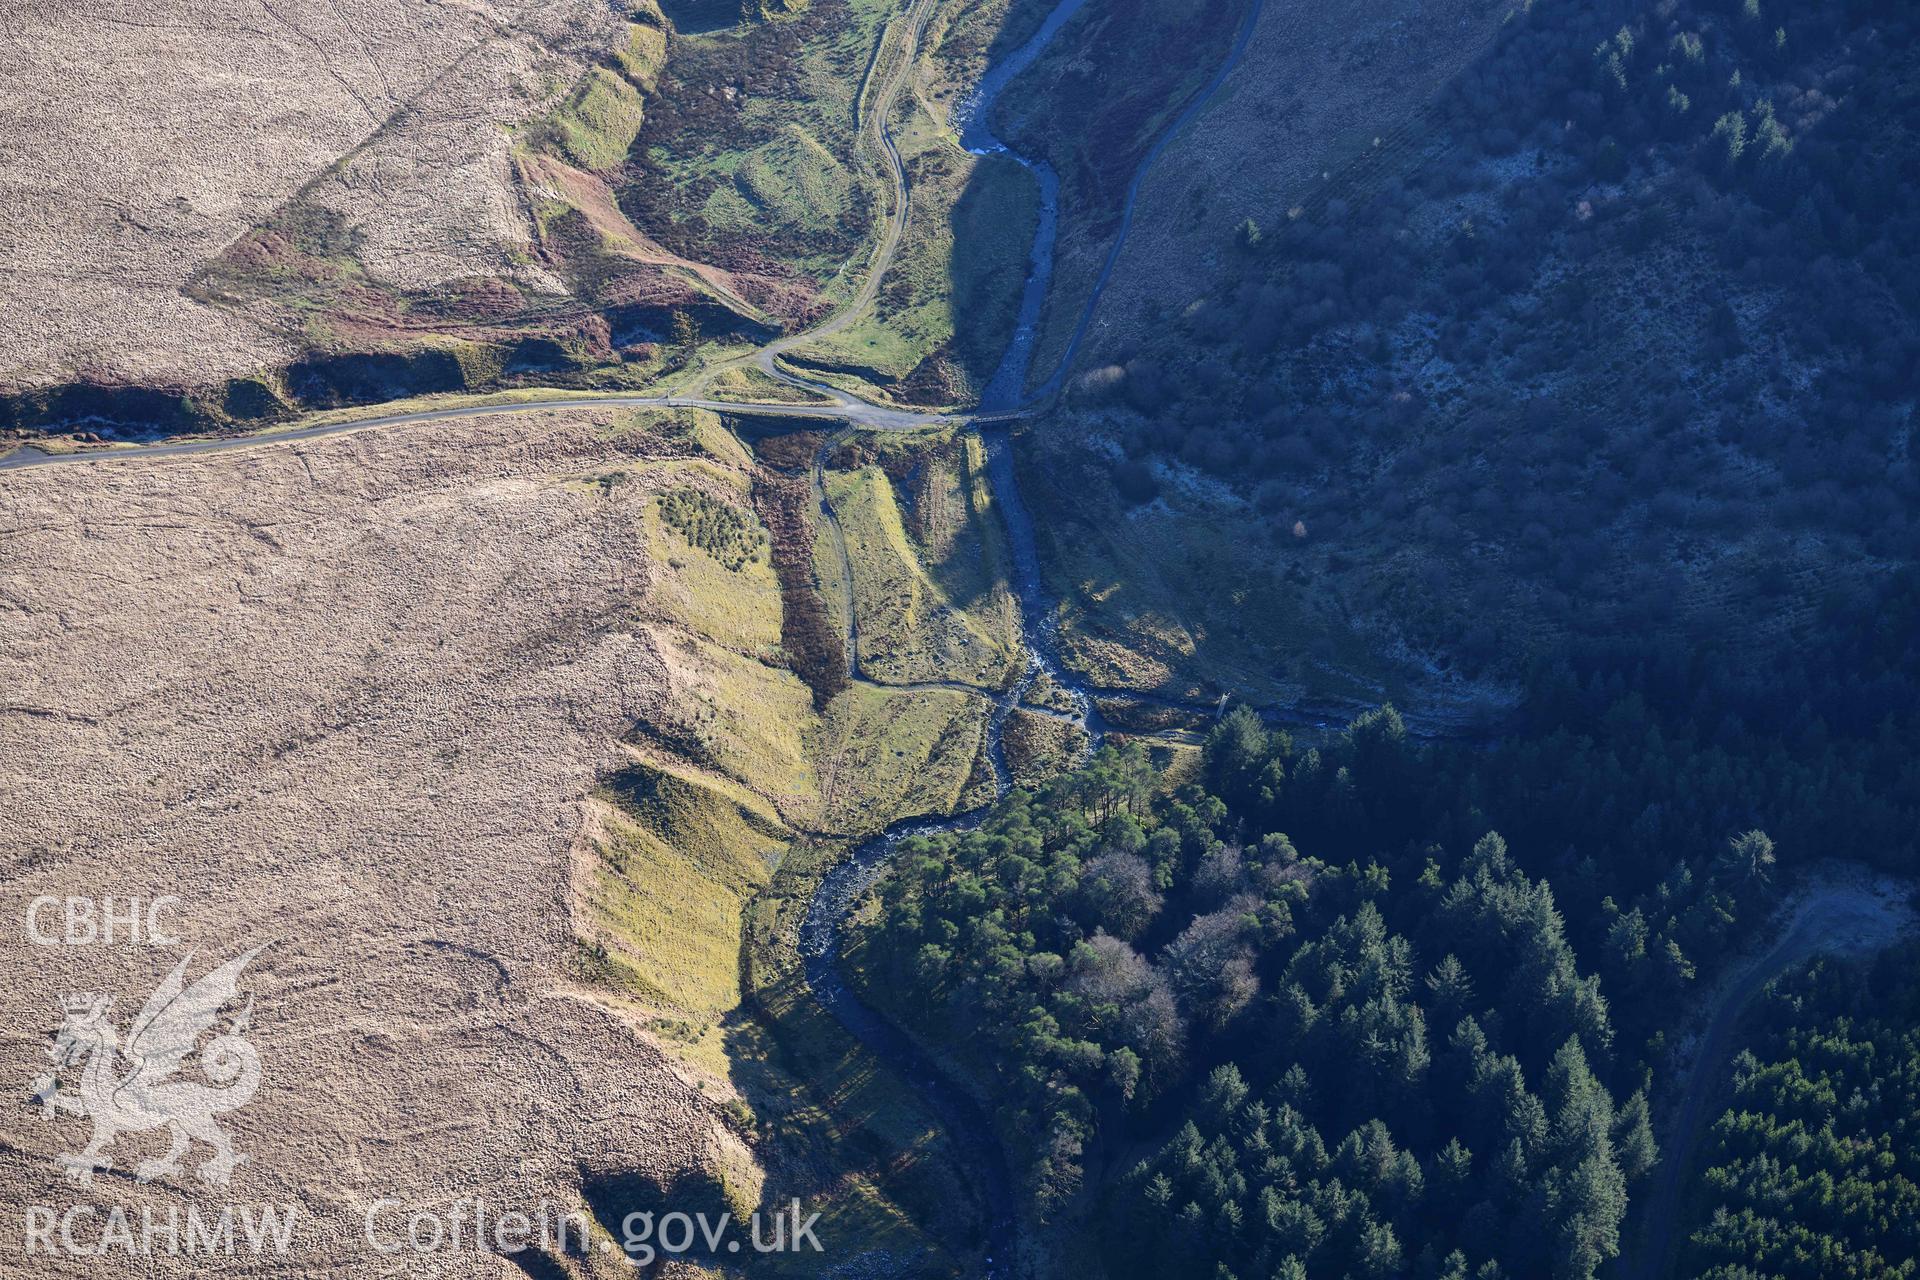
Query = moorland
x=1304 y=666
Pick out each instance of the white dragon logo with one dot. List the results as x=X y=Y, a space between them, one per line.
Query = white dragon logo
x=145 y=1095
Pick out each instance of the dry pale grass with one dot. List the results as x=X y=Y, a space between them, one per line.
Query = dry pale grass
x=346 y=698
x=140 y=140
x=433 y=198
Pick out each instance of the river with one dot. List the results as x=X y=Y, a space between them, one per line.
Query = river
x=967 y=1125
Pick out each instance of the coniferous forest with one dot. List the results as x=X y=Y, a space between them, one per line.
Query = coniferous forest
x=1814 y=1167
x=1066 y=639
x=1310 y=1012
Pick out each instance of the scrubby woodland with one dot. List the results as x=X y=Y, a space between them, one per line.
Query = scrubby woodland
x=746 y=157
x=713 y=526
x=1594 y=383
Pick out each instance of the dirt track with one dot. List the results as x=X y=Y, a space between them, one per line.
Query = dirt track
x=874 y=126
x=1842 y=910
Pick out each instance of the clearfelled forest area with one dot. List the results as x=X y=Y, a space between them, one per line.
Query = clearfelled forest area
x=1579 y=417
x=1620 y=340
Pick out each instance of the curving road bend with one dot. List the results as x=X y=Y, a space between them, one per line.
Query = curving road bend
x=1845 y=911
x=968 y=1127
x=1845 y=915
x=839 y=406
x=873 y=126
x=963 y=1119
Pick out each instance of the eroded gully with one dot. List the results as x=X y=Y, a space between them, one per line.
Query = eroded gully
x=968 y=1127
x=965 y=1121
